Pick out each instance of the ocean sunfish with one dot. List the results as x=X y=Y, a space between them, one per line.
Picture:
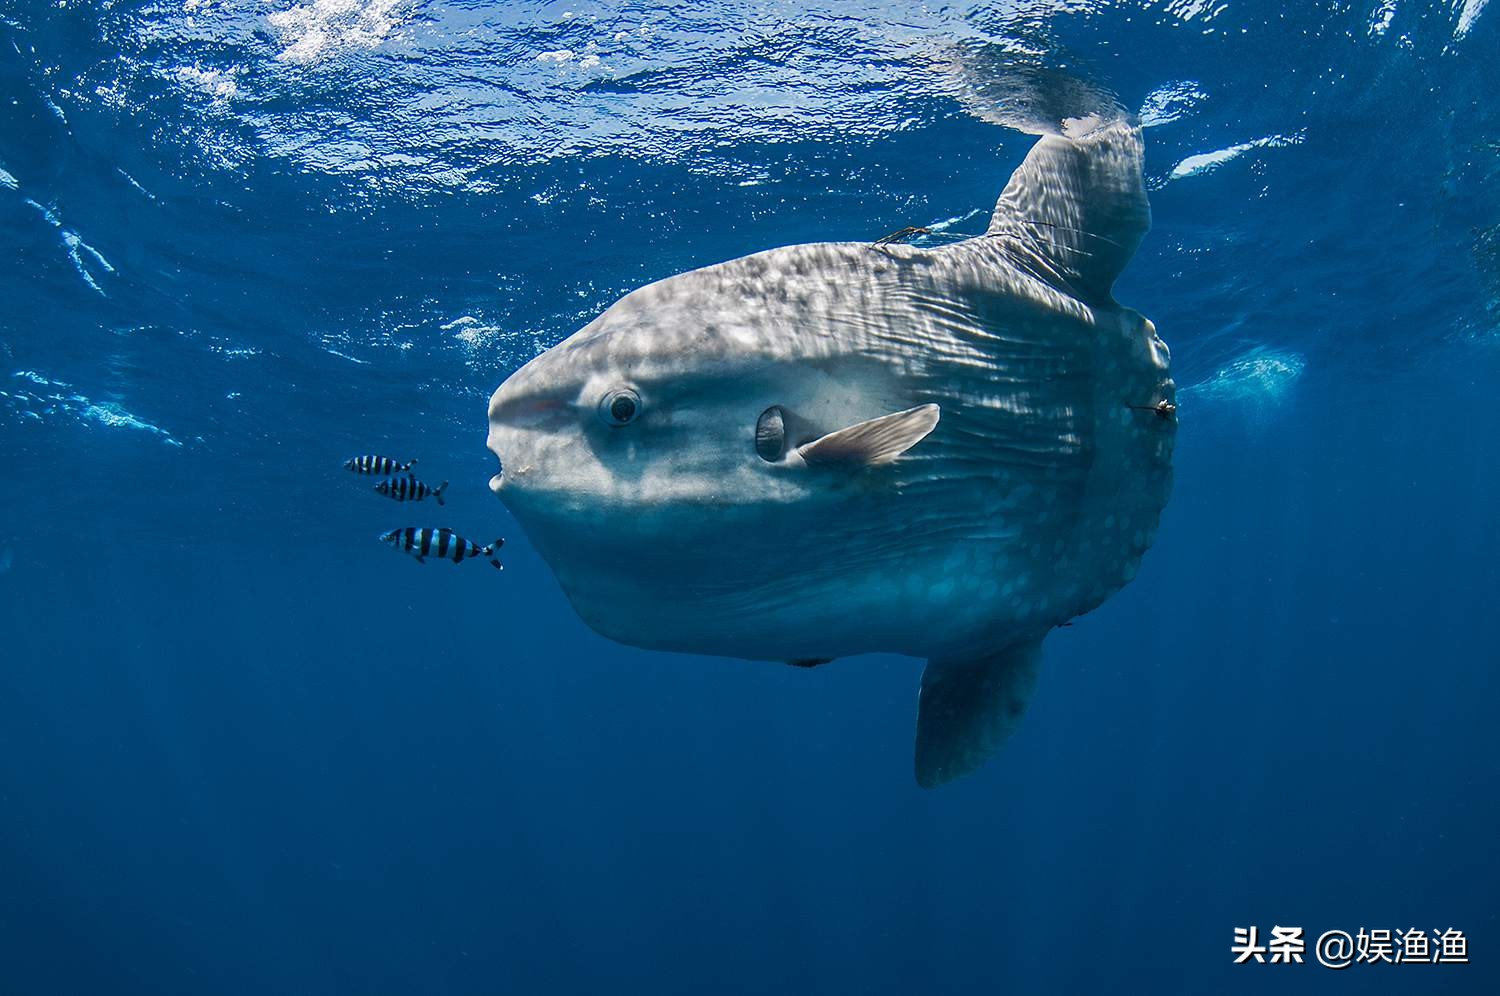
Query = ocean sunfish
x=841 y=448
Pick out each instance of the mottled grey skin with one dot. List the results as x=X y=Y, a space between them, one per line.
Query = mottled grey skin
x=1030 y=502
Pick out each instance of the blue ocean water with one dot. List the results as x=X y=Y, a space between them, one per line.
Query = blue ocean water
x=245 y=748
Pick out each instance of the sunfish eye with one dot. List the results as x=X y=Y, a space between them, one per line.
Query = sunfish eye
x=770 y=434
x=620 y=406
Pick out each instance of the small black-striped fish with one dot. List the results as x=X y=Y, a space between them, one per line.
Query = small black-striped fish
x=444 y=543
x=410 y=489
x=372 y=464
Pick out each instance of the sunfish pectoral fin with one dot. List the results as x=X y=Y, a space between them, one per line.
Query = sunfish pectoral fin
x=1078 y=206
x=873 y=441
x=969 y=706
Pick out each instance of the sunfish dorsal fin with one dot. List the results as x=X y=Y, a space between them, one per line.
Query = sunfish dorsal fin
x=969 y=706
x=873 y=441
x=1077 y=205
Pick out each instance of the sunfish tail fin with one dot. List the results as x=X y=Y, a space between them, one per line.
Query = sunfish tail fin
x=1077 y=207
x=969 y=706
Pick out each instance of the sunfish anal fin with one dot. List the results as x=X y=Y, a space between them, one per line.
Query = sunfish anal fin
x=969 y=706
x=873 y=441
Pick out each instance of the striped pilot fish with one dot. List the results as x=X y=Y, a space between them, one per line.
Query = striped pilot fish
x=372 y=464
x=444 y=543
x=409 y=489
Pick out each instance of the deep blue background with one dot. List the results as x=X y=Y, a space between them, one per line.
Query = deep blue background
x=245 y=749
